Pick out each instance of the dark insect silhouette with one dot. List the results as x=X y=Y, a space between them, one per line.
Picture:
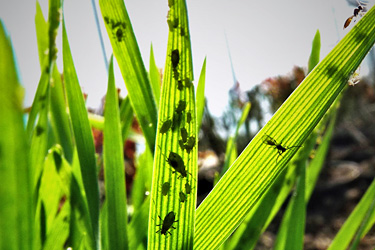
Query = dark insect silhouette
x=176 y=162
x=165 y=188
x=357 y=11
x=187 y=188
x=182 y=196
x=166 y=125
x=167 y=223
x=273 y=143
x=175 y=57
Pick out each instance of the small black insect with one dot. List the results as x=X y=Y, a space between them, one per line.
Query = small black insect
x=187 y=188
x=188 y=117
x=180 y=86
x=184 y=134
x=119 y=35
x=189 y=145
x=175 y=58
x=176 y=121
x=165 y=188
x=107 y=20
x=182 y=196
x=181 y=107
x=166 y=125
x=357 y=11
x=273 y=143
x=167 y=223
x=176 y=162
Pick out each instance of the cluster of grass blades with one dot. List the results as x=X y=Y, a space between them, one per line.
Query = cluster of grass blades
x=50 y=194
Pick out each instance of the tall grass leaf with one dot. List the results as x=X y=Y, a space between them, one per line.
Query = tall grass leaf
x=155 y=78
x=174 y=184
x=41 y=27
x=201 y=101
x=138 y=226
x=232 y=142
x=128 y=56
x=83 y=137
x=114 y=169
x=349 y=229
x=315 y=52
x=53 y=200
x=292 y=228
x=16 y=206
x=126 y=117
x=261 y=162
x=59 y=117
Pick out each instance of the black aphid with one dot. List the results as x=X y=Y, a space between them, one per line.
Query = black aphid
x=187 y=188
x=189 y=145
x=176 y=162
x=184 y=134
x=182 y=196
x=188 y=117
x=165 y=188
x=119 y=35
x=180 y=86
x=181 y=107
x=175 y=57
x=273 y=143
x=167 y=223
x=166 y=125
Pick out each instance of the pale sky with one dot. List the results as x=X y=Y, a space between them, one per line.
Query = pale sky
x=266 y=38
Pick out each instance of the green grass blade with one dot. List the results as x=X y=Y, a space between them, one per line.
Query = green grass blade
x=172 y=213
x=126 y=117
x=114 y=169
x=155 y=77
x=201 y=102
x=83 y=137
x=41 y=27
x=232 y=142
x=352 y=224
x=59 y=117
x=128 y=56
x=315 y=52
x=291 y=232
x=260 y=163
x=16 y=206
x=138 y=226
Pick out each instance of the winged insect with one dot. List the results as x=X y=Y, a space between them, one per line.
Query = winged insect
x=273 y=143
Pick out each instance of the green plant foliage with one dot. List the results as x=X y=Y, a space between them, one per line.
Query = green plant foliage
x=201 y=101
x=258 y=166
x=16 y=206
x=128 y=56
x=83 y=137
x=114 y=169
x=172 y=213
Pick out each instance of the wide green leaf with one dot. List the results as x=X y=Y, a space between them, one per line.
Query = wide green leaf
x=174 y=184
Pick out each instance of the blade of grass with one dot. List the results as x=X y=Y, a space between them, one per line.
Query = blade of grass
x=155 y=78
x=114 y=169
x=83 y=137
x=128 y=56
x=201 y=101
x=126 y=117
x=351 y=225
x=174 y=184
x=315 y=52
x=16 y=206
x=258 y=166
x=292 y=229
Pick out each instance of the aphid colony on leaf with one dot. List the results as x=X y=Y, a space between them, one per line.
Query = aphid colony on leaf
x=117 y=27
